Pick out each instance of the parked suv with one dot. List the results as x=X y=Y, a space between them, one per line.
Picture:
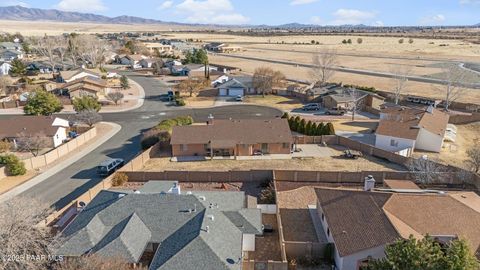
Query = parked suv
x=311 y=107
x=109 y=166
x=335 y=111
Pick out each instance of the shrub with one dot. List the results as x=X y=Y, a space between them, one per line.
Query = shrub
x=119 y=179
x=344 y=41
x=410 y=40
x=400 y=41
x=349 y=41
x=308 y=128
x=86 y=103
x=5 y=146
x=313 y=130
x=301 y=127
x=184 y=120
x=330 y=130
x=13 y=165
x=267 y=195
x=180 y=102
x=320 y=129
x=285 y=115
x=359 y=40
x=149 y=138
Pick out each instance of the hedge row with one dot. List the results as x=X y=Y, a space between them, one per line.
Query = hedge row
x=162 y=132
x=309 y=128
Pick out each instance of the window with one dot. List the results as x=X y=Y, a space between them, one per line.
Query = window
x=286 y=145
x=328 y=231
x=393 y=142
x=183 y=147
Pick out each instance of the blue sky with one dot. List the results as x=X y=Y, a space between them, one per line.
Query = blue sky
x=274 y=12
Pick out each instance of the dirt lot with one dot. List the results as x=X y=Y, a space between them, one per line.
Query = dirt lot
x=267 y=247
x=280 y=102
x=333 y=163
x=455 y=153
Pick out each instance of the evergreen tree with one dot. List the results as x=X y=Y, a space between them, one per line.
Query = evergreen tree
x=308 y=128
x=302 y=126
x=313 y=129
x=18 y=68
x=291 y=123
x=320 y=129
x=297 y=123
x=86 y=103
x=285 y=115
x=330 y=130
x=42 y=102
x=124 y=83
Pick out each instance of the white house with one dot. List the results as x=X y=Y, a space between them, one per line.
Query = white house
x=403 y=129
x=5 y=68
x=53 y=128
x=360 y=224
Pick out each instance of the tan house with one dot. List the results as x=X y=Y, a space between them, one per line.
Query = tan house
x=153 y=46
x=232 y=138
x=85 y=86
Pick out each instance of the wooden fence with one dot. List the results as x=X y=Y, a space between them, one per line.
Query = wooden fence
x=61 y=151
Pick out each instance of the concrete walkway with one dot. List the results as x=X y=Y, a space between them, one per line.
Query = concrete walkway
x=61 y=165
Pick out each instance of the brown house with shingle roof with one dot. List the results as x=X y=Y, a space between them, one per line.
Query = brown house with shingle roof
x=362 y=223
x=85 y=86
x=403 y=128
x=232 y=138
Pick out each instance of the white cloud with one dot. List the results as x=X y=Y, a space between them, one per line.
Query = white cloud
x=316 y=20
x=81 y=5
x=13 y=3
x=301 y=2
x=352 y=16
x=210 y=11
x=433 y=20
x=166 y=5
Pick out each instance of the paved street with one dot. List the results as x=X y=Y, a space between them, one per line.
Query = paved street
x=77 y=178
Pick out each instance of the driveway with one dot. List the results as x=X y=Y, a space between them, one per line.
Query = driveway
x=79 y=177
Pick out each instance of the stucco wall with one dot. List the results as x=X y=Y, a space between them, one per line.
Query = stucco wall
x=383 y=142
x=191 y=150
x=428 y=141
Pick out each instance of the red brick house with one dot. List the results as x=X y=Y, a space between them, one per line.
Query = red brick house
x=232 y=138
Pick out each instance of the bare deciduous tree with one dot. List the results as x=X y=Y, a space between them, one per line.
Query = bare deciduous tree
x=46 y=46
x=61 y=49
x=89 y=117
x=92 y=50
x=192 y=85
x=115 y=97
x=32 y=143
x=323 y=64
x=21 y=235
x=355 y=101
x=5 y=81
x=400 y=77
x=425 y=171
x=265 y=79
x=474 y=158
x=453 y=77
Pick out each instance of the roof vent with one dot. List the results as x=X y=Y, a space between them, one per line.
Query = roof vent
x=211 y=217
x=121 y=195
x=210 y=119
x=207 y=229
x=369 y=184
x=202 y=198
x=189 y=193
x=430 y=109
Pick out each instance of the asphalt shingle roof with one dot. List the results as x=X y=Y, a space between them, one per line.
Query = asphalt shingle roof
x=122 y=224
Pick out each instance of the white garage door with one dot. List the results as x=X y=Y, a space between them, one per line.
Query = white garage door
x=235 y=92
x=223 y=92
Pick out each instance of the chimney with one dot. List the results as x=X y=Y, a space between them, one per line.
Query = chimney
x=176 y=189
x=210 y=120
x=369 y=184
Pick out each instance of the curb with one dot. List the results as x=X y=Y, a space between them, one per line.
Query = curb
x=140 y=100
x=65 y=163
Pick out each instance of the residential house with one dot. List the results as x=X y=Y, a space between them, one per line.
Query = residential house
x=347 y=98
x=237 y=86
x=185 y=70
x=132 y=60
x=10 y=55
x=54 y=128
x=4 y=68
x=216 y=77
x=360 y=224
x=221 y=47
x=404 y=130
x=148 y=62
x=13 y=46
x=160 y=227
x=226 y=69
x=232 y=138
x=84 y=86
x=172 y=62
x=162 y=48
x=73 y=75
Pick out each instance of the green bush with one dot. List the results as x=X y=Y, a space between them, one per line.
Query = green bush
x=180 y=102
x=86 y=103
x=330 y=130
x=184 y=120
x=148 y=140
x=285 y=115
x=308 y=128
x=119 y=179
x=320 y=129
x=13 y=165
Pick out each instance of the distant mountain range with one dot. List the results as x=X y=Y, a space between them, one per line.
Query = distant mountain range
x=19 y=13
